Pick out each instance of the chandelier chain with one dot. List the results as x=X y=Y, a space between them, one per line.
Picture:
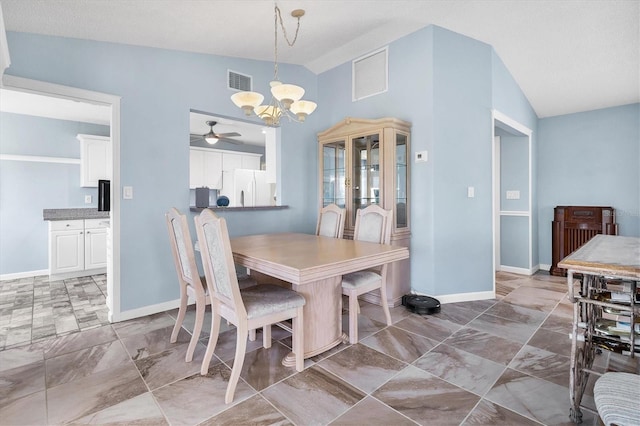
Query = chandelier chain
x=278 y=17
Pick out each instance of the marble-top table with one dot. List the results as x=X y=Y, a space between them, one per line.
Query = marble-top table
x=608 y=256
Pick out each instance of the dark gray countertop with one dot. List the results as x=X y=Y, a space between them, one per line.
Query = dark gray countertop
x=73 y=214
x=237 y=209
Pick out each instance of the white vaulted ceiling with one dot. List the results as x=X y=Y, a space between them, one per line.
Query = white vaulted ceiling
x=566 y=55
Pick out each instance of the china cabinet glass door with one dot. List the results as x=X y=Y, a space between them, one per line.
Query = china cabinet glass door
x=401 y=180
x=365 y=173
x=333 y=173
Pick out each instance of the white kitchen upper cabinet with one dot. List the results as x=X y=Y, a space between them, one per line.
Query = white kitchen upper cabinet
x=231 y=161
x=205 y=168
x=213 y=169
x=95 y=159
x=196 y=168
x=250 y=162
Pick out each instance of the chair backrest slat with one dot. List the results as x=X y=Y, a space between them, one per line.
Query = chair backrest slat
x=373 y=224
x=182 y=250
x=217 y=260
x=331 y=221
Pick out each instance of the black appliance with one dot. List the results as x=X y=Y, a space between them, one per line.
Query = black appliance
x=104 y=195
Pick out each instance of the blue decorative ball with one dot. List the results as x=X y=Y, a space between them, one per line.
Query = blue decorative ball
x=223 y=201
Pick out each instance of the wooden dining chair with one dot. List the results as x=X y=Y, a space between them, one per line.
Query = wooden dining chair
x=249 y=308
x=331 y=221
x=373 y=224
x=191 y=284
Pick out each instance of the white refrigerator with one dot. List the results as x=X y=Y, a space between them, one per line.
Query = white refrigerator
x=250 y=188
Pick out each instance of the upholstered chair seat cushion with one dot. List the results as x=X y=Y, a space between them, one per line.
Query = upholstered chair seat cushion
x=360 y=279
x=617 y=398
x=266 y=299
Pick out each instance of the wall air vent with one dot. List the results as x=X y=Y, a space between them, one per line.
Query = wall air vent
x=237 y=81
x=370 y=74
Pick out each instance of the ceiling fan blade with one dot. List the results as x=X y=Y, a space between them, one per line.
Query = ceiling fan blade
x=228 y=135
x=231 y=141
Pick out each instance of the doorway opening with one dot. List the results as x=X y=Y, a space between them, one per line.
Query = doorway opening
x=111 y=102
x=512 y=196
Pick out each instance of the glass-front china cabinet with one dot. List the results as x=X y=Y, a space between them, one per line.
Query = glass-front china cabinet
x=364 y=162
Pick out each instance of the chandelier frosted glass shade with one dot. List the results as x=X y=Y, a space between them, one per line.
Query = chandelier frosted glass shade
x=286 y=93
x=303 y=108
x=248 y=101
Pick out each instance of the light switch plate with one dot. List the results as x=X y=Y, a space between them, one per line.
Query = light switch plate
x=127 y=192
x=87 y=199
x=513 y=195
x=471 y=192
x=422 y=156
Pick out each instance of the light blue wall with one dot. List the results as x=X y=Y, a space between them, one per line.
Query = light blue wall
x=590 y=159
x=441 y=82
x=26 y=188
x=410 y=98
x=445 y=84
x=514 y=172
x=509 y=99
x=158 y=88
x=463 y=248
x=514 y=241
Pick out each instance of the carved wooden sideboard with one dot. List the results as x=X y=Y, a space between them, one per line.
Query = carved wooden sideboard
x=573 y=226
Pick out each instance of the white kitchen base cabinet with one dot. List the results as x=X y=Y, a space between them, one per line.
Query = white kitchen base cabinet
x=77 y=247
x=95 y=244
x=66 y=246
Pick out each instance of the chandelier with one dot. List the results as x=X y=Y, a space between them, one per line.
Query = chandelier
x=286 y=99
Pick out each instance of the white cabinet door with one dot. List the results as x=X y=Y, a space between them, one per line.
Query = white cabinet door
x=95 y=248
x=213 y=170
x=251 y=162
x=196 y=168
x=95 y=159
x=66 y=251
x=231 y=161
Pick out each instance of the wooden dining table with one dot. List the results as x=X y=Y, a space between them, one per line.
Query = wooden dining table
x=313 y=266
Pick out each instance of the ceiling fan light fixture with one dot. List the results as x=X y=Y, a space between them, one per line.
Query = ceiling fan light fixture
x=283 y=96
x=211 y=138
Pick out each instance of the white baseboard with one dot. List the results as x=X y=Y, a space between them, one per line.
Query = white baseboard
x=463 y=297
x=544 y=267
x=519 y=271
x=26 y=274
x=78 y=274
x=146 y=310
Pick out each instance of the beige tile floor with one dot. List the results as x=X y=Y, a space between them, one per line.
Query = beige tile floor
x=502 y=361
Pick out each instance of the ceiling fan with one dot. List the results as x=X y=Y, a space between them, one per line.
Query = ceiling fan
x=213 y=137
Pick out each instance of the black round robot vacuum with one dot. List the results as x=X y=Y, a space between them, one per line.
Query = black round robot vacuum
x=421 y=305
